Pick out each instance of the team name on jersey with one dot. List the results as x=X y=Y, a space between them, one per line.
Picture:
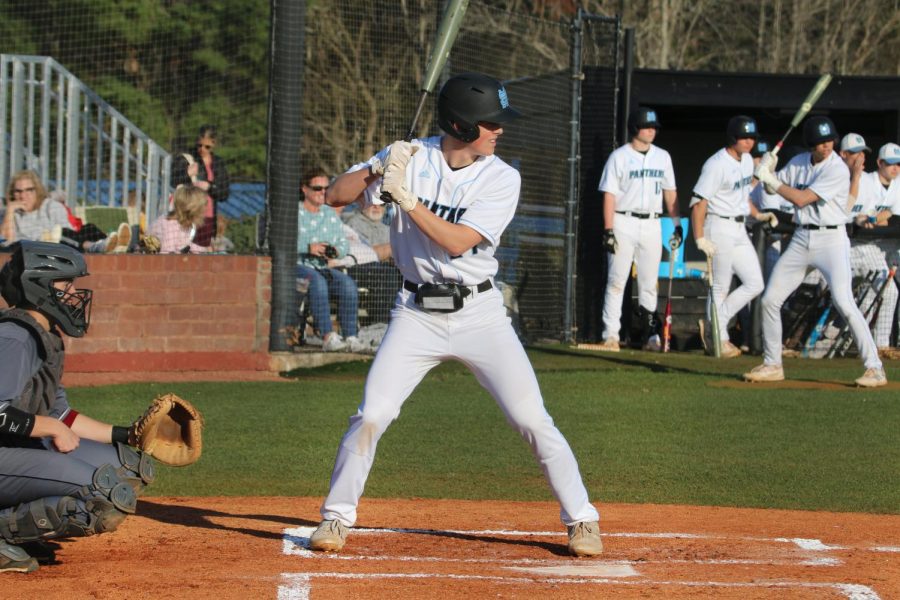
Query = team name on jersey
x=447 y=213
x=646 y=173
x=742 y=182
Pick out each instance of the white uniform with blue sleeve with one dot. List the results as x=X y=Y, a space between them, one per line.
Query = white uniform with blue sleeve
x=725 y=184
x=482 y=196
x=820 y=241
x=637 y=180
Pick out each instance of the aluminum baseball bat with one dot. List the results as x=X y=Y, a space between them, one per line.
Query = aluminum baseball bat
x=446 y=35
x=713 y=312
x=804 y=109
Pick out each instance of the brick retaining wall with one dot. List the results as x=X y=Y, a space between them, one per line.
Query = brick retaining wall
x=174 y=313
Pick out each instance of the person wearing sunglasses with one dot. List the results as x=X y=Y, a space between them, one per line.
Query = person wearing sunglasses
x=208 y=172
x=320 y=238
x=31 y=214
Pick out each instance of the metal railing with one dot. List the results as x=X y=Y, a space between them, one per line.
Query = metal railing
x=55 y=125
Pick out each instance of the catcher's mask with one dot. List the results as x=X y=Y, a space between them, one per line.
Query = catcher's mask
x=26 y=281
x=469 y=99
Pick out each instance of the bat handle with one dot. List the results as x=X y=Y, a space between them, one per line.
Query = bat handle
x=412 y=126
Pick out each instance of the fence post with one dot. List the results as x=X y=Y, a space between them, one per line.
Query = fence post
x=574 y=162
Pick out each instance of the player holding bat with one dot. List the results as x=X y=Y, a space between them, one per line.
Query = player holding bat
x=719 y=207
x=455 y=198
x=817 y=183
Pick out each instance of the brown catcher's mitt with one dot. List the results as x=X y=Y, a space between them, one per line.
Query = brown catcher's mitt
x=169 y=431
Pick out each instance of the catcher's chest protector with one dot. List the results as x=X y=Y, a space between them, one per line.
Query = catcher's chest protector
x=39 y=393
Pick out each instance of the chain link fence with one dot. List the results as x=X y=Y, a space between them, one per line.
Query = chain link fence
x=172 y=67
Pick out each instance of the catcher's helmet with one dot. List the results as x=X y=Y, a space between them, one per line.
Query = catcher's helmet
x=642 y=118
x=740 y=127
x=469 y=99
x=817 y=130
x=26 y=281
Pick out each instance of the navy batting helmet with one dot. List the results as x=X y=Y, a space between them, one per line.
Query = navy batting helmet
x=469 y=99
x=761 y=147
x=817 y=130
x=26 y=281
x=740 y=127
x=642 y=118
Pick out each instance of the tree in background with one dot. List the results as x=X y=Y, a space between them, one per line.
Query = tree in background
x=172 y=65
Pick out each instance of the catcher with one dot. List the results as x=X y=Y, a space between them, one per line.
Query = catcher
x=62 y=473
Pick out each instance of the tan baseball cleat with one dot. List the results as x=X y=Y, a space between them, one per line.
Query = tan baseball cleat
x=330 y=536
x=729 y=350
x=873 y=377
x=584 y=539
x=765 y=372
x=610 y=344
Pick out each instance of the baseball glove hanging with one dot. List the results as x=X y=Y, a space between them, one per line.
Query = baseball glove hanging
x=169 y=431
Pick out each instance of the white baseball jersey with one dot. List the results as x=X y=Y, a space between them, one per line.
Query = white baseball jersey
x=829 y=179
x=725 y=184
x=876 y=196
x=482 y=196
x=637 y=179
x=766 y=201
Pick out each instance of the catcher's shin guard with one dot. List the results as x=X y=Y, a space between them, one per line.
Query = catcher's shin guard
x=137 y=468
x=58 y=517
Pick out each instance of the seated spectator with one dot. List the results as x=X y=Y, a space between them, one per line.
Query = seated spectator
x=368 y=263
x=320 y=238
x=27 y=216
x=177 y=231
x=207 y=171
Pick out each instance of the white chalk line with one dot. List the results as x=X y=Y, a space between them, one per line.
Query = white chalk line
x=296 y=542
x=297 y=586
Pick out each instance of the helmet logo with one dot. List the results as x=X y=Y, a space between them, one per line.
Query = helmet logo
x=504 y=99
x=651 y=116
x=824 y=129
x=750 y=127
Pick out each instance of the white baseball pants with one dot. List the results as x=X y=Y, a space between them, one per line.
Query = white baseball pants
x=828 y=250
x=863 y=259
x=639 y=241
x=481 y=337
x=735 y=255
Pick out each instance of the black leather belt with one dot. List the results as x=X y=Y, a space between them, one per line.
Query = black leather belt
x=818 y=227
x=737 y=219
x=636 y=215
x=481 y=288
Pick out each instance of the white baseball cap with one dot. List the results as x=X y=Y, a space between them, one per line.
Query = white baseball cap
x=889 y=153
x=853 y=142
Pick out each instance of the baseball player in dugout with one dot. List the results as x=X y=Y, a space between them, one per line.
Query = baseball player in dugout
x=62 y=473
x=637 y=180
x=719 y=207
x=455 y=198
x=817 y=183
x=875 y=198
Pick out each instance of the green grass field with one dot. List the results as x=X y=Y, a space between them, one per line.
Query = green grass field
x=645 y=428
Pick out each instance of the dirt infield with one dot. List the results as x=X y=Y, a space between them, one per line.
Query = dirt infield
x=227 y=548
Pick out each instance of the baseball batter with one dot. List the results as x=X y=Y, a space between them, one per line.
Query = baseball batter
x=455 y=199
x=637 y=179
x=817 y=184
x=720 y=205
